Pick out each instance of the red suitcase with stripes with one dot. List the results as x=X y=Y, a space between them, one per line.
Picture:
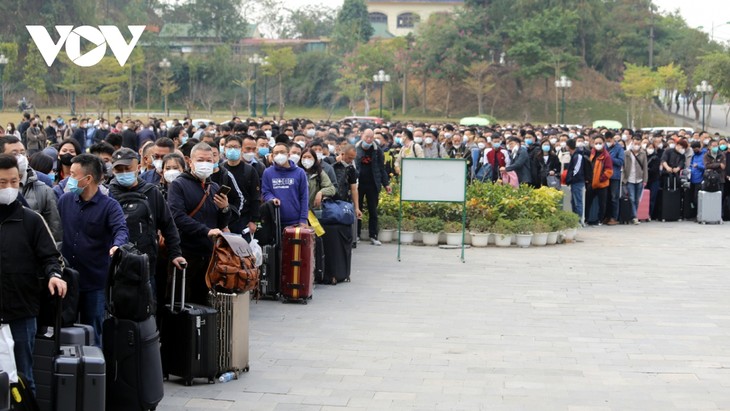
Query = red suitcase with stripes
x=643 y=212
x=297 y=264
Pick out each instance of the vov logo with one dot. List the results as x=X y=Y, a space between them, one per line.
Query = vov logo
x=100 y=37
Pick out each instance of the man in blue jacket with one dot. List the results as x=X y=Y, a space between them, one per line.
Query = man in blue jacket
x=286 y=185
x=618 y=155
x=93 y=228
x=200 y=213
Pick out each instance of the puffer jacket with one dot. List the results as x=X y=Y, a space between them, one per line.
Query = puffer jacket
x=42 y=200
x=602 y=169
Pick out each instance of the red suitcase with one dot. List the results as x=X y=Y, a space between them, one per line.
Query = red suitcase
x=297 y=264
x=643 y=211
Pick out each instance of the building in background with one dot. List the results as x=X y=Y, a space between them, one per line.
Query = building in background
x=396 y=18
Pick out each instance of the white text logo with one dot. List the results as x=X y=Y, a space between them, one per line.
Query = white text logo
x=100 y=37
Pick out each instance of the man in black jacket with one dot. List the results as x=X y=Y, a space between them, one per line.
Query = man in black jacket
x=249 y=182
x=127 y=185
x=27 y=255
x=370 y=163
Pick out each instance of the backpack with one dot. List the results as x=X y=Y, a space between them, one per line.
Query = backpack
x=139 y=217
x=232 y=268
x=711 y=181
x=587 y=169
x=129 y=292
x=484 y=172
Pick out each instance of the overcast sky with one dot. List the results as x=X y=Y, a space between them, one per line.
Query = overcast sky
x=695 y=12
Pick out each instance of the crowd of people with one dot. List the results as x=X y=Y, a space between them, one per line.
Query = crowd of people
x=70 y=189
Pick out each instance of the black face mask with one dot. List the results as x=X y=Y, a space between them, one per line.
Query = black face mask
x=66 y=159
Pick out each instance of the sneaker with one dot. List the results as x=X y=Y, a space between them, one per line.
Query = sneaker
x=374 y=241
x=635 y=221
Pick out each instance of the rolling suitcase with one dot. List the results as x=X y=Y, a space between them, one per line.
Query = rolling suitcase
x=4 y=391
x=189 y=349
x=671 y=199
x=297 y=264
x=643 y=212
x=626 y=210
x=270 y=270
x=132 y=353
x=337 y=241
x=319 y=260
x=232 y=330
x=709 y=207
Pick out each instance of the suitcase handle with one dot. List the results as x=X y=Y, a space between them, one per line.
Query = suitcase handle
x=182 y=290
x=57 y=326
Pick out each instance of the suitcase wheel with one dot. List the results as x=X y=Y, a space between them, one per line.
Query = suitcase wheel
x=245 y=369
x=188 y=383
x=166 y=377
x=211 y=380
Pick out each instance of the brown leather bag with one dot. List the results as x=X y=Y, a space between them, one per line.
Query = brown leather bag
x=232 y=268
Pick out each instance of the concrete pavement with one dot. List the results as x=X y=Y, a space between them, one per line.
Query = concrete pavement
x=632 y=318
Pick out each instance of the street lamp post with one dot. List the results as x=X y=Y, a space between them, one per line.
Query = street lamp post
x=255 y=60
x=264 y=64
x=164 y=65
x=704 y=87
x=3 y=62
x=381 y=78
x=562 y=84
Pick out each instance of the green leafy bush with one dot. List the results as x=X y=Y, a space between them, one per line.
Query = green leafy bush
x=429 y=224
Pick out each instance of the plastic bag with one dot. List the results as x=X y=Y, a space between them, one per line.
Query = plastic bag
x=7 y=355
x=258 y=254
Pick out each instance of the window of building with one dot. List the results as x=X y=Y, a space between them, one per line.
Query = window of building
x=408 y=20
x=378 y=18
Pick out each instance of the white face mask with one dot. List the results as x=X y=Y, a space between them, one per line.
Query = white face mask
x=481 y=146
x=643 y=146
x=429 y=141
x=249 y=157
x=281 y=159
x=418 y=140
x=268 y=133
x=331 y=148
x=671 y=146
x=157 y=164
x=301 y=143
x=320 y=156
x=22 y=163
x=553 y=141
x=311 y=132
x=171 y=175
x=562 y=144
x=649 y=151
x=272 y=142
x=579 y=144
x=295 y=158
x=307 y=163
x=598 y=146
x=8 y=195
x=203 y=169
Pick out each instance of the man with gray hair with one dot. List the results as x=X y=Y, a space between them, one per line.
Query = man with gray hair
x=201 y=212
x=370 y=162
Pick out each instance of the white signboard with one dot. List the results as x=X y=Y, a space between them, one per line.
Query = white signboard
x=424 y=179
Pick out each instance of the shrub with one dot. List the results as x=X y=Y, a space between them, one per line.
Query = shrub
x=429 y=224
x=554 y=222
x=524 y=226
x=408 y=224
x=453 y=227
x=540 y=226
x=504 y=226
x=569 y=219
x=480 y=225
x=388 y=222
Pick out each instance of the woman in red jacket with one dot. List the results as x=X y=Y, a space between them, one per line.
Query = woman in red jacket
x=602 y=172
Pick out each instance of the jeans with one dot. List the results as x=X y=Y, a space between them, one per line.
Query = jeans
x=576 y=200
x=635 y=190
x=23 y=331
x=91 y=309
x=613 y=199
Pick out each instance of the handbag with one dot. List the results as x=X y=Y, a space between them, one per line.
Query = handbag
x=337 y=212
x=7 y=355
x=232 y=268
x=553 y=181
x=510 y=177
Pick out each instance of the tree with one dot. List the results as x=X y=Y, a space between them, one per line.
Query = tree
x=308 y=22
x=673 y=80
x=281 y=64
x=168 y=86
x=352 y=25
x=638 y=85
x=479 y=82
x=34 y=71
x=224 y=18
x=358 y=68
x=715 y=69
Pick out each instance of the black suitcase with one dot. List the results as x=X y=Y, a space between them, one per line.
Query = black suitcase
x=189 y=347
x=626 y=210
x=671 y=199
x=270 y=270
x=319 y=256
x=132 y=353
x=44 y=352
x=4 y=391
x=337 y=241
x=21 y=396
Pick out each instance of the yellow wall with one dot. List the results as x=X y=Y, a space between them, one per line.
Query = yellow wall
x=393 y=9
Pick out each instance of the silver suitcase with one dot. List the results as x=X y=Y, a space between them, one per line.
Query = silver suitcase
x=709 y=207
x=232 y=330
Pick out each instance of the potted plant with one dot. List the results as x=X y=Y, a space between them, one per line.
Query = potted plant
x=430 y=227
x=571 y=221
x=364 y=232
x=503 y=230
x=540 y=230
x=453 y=233
x=480 y=232
x=388 y=224
x=407 y=231
x=554 y=225
x=523 y=229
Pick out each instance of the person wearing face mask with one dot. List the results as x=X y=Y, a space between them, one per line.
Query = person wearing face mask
x=67 y=150
x=93 y=229
x=602 y=172
x=35 y=137
x=147 y=212
x=455 y=147
x=173 y=167
x=318 y=148
x=129 y=136
x=546 y=163
x=29 y=260
x=634 y=175
x=248 y=181
x=39 y=197
x=672 y=163
x=287 y=186
x=263 y=150
x=618 y=154
x=697 y=171
x=519 y=161
x=497 y=157
x=201 y=212
x=409 y=150
x=319 y=184
x=104 y=151
x=653 y=165
x=223 y=177
x=370 y=163
x=79 y=134
x=155 y=155
x=715 y=161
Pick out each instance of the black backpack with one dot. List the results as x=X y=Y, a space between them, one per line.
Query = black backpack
x=140 y=220
x=587 y=169
x=129 y=292
x=711 y=181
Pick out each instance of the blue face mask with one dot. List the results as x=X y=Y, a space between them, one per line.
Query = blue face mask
x=496 y=145
x=398 y=140
x=72 y=186
x=352 y=140
x=216 y=167
x=183 y=140
x=263 y=151
x=233 y=154
x=366 y=145
x=546 y=148
x=52 y=176
x=126 y=179
x=528 y=141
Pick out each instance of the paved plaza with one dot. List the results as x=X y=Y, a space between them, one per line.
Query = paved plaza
x=629 y=318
